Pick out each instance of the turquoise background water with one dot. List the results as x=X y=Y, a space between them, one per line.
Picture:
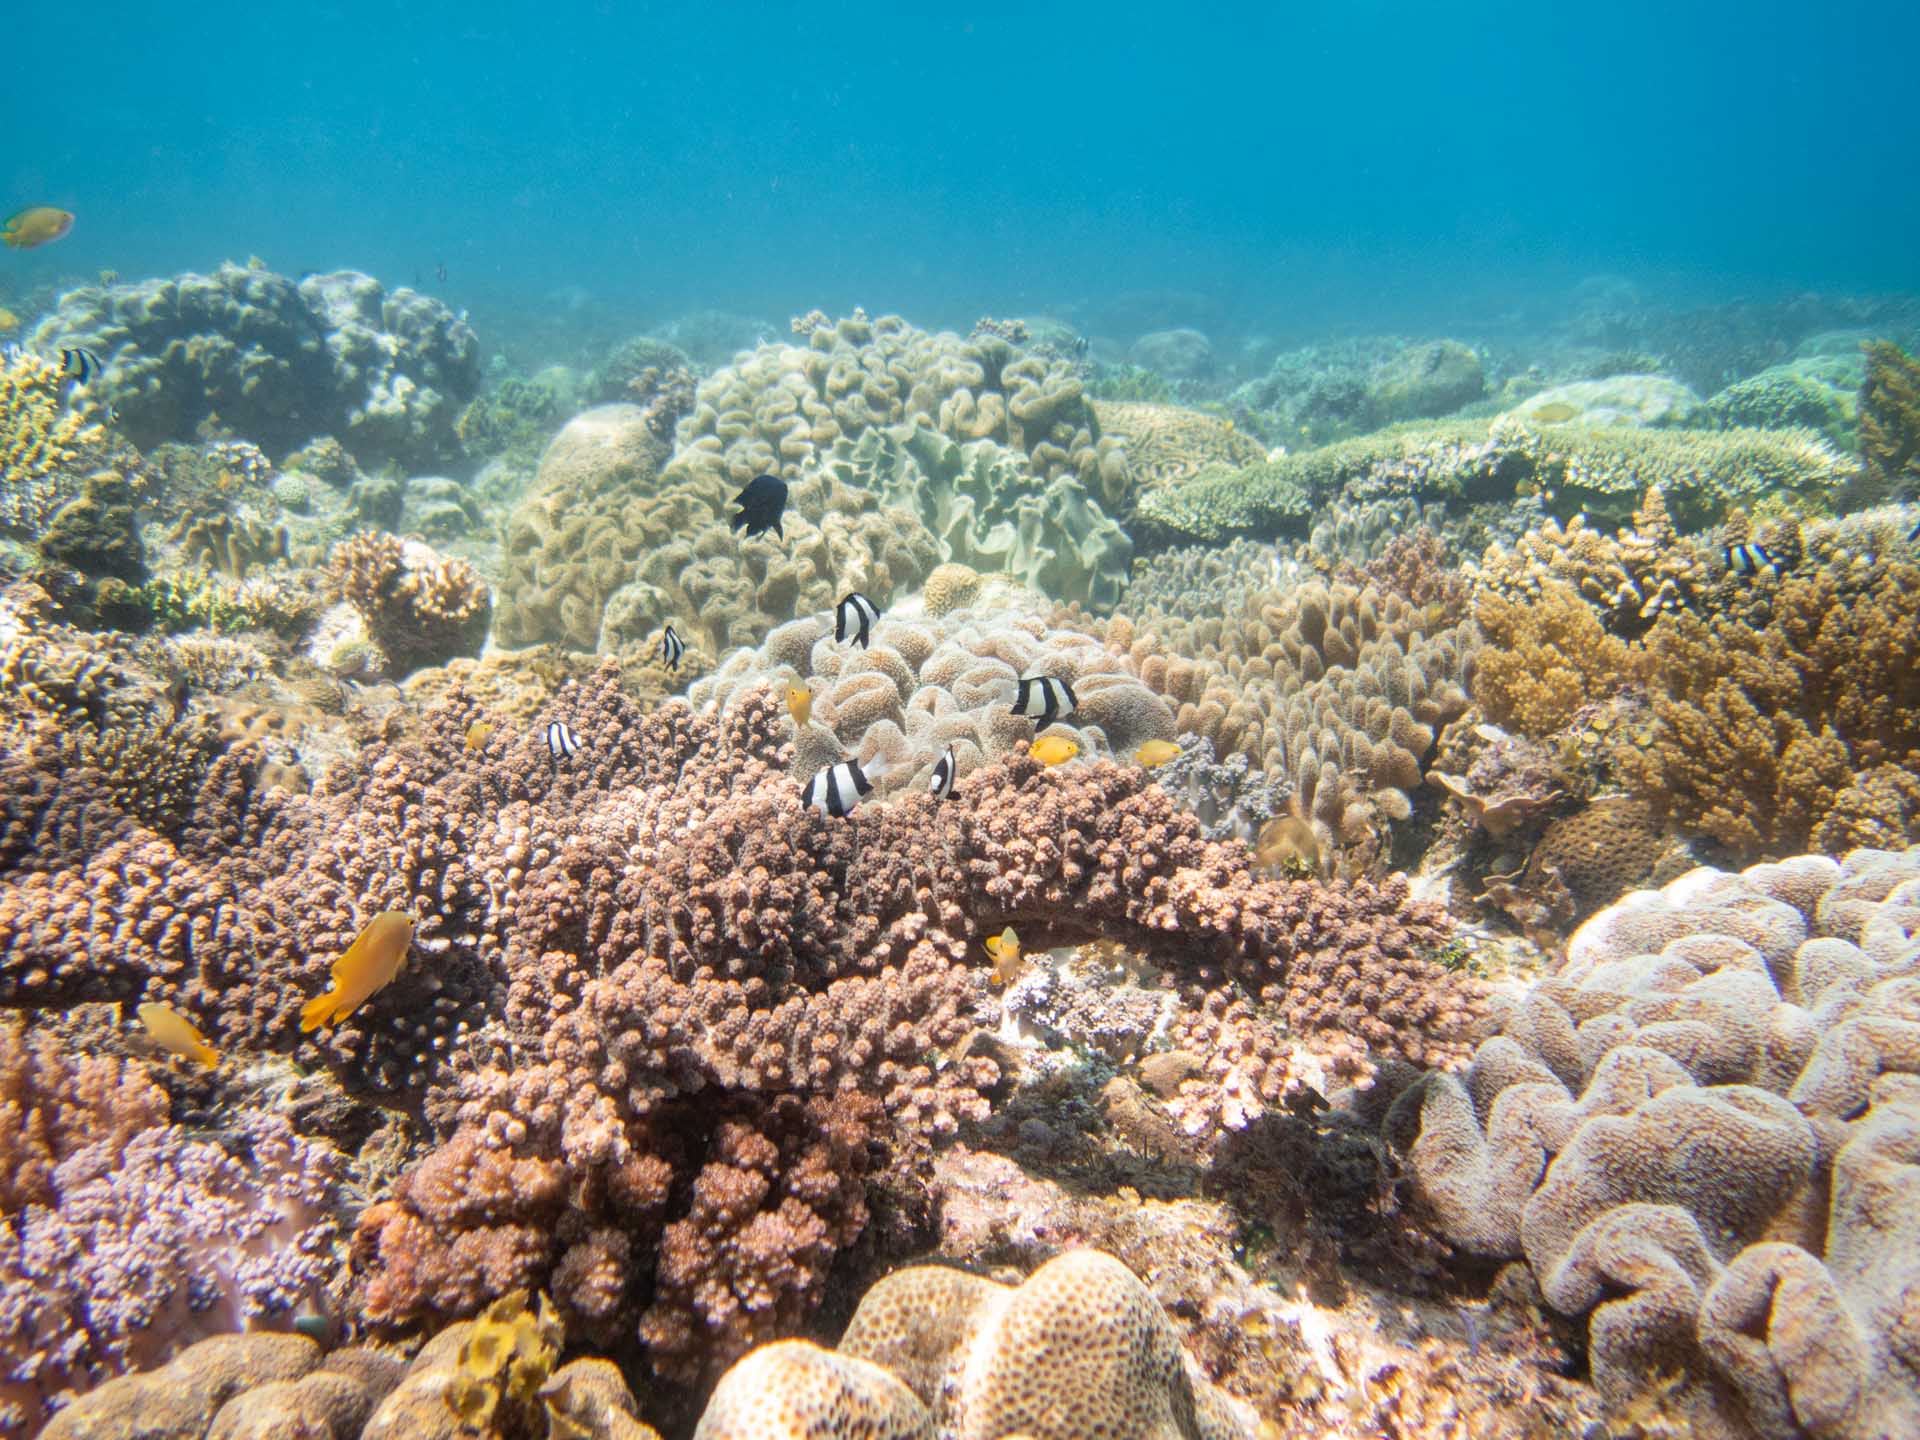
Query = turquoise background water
x=1290 y=165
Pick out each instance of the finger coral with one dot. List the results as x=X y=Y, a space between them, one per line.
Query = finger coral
x=1701 y=1134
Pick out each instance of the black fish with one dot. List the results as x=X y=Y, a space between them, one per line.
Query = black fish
x=855 y=617
x=671 y=649
x=561 y=741
x=837 y=788
x=761 y=504
x=941 y=786
x=1749 y=559
x=79 y=365
x=1043 y=699
x=1913 y=534
x=440 y=272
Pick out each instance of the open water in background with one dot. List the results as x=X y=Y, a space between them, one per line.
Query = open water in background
x=1294 y=166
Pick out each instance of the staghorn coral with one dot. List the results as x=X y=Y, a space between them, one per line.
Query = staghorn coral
x=1701 y=1131
x=419 y=607
x=40 y=444
x=1079 y=1349
x=1761 y=730
x=605 y=550
x=925 y=684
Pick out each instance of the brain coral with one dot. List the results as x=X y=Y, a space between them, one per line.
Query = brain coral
x=1703 y=1132
x=1078 y=1351
x=1166 y=444
x=605 y=550
x=278 y=361
x=927 y=683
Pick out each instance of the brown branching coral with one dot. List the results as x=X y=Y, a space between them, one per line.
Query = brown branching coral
x=1761 y=730
x=1890 y=422
x=1545 y=659
x=420 y=608
x=40 y=443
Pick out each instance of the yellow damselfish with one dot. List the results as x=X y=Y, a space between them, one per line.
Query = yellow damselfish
x=1004 y=950
x=477 y=734
x=35 y=225
x=173 y=1031
x=1053 y=749
x=370 y=963
x=1156 y=752
x=800 y=704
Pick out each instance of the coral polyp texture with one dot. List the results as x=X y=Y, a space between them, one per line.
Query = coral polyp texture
x=996 y=450
x=606 y=549
x=1079 y=1350
x=40 y=444
x=419 y=607
x=1701 y=1134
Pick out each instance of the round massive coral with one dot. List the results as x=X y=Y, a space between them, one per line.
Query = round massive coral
x=1702 y=1133
x=278 y=361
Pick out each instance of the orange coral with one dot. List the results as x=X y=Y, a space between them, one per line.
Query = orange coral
x=1546 y=659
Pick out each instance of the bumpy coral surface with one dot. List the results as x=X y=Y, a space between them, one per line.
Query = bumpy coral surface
x=1080 y=1349
x=605 y=550
x=1702 y=1134
x=281 y=361
x=926 y=683
x=419 y=607
x=40 y=443
x=1166 y=444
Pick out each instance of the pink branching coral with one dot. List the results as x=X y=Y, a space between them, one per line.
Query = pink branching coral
x=647 y=985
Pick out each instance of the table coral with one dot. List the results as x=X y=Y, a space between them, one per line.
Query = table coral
x=1701 y=1133
x=1080 y=1349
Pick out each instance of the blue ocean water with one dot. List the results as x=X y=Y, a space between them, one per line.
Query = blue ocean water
x=1290 y=165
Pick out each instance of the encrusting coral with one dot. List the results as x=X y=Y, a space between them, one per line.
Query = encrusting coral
x=1702 y=1131
x=1080 y=1350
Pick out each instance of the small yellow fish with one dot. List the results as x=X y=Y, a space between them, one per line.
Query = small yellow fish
x=8 y=320
x=800 y=704
x=1230 y=427
x=1004 y=950
x=35 y=225
x=370 y=963
x=174 y=1032
x=1156 y=752
x=1053 y=750
x=477 y=734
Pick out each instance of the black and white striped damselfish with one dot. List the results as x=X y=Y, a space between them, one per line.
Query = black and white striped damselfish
x=855 y=617
x=837 y=788
x=941 y=785
x=1750 y=559
x=81 y=366
x=671 y=649
x=1043 y=699
x=561 y=741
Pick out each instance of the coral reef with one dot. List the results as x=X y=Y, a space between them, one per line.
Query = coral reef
x=279 y=360
x=122 y=1239
x=1631 y=401
x=605 y=550
x=1700 y=1133
x=1425 y=381
x=1890 y=422
x=1341 y=689
x=1079 y=1349
x=1815 y=392
x=928 y=683
x=41 y=442
x=419 y=607
x=1166 y=444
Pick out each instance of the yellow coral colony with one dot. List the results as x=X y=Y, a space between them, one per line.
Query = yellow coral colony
x=37 y=440
x=369 y=964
